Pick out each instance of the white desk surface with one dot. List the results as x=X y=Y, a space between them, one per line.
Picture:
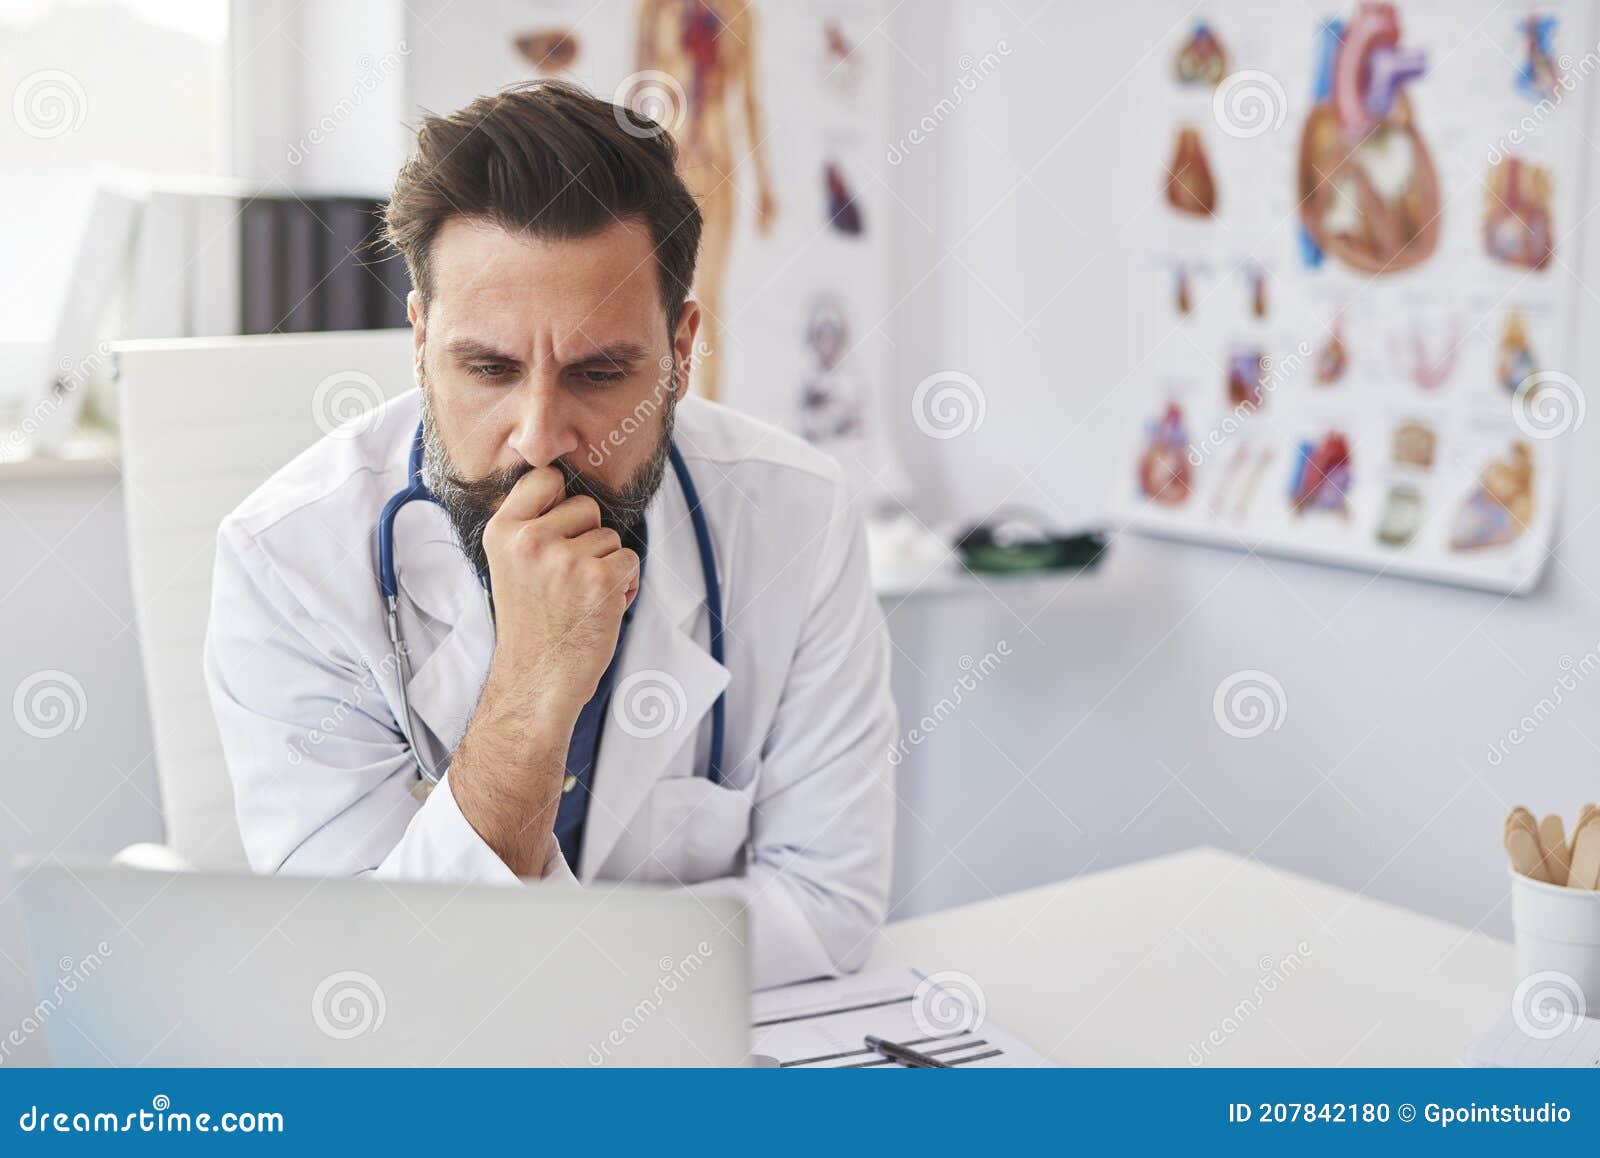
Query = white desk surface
x=1140 y=965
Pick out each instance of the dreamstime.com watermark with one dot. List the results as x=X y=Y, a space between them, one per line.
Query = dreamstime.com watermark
x=1548 y=1004
x=948 y=1003
x=673 y=974
x=348 y=1004
x=1277 y=372
x=639 y=417
x=1568 y=77
x=49 y=103
x=73 y=974
x=973 y=72
x=70 y=378
x=49 y=703
x=159 y=1118
x=1249 y=103
x=373 y=74
x=342 y=711
x=649 y=703
x=1273 y=975
x=1573 y=673
x=1249 y=703
x=973 y=673
x=948 y=404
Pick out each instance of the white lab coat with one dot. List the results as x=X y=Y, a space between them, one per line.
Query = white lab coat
x=305 y=689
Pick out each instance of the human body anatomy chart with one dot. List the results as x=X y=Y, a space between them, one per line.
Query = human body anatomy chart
x=1360 y=292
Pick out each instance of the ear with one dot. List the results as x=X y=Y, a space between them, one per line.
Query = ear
x=684 y=354
x=417 y=315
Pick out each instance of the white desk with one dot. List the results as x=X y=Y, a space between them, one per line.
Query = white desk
x=1139 y=965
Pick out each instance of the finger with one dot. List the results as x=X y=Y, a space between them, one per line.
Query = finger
x=571 y=517
x=598 y=543
x=623 y=567
x=534 y=493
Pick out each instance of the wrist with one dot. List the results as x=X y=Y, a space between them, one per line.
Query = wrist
x=528 y=705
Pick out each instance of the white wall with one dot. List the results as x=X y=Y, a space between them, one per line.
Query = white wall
x=1379 y=778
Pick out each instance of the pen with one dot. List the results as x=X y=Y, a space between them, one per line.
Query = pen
x=905 y=1055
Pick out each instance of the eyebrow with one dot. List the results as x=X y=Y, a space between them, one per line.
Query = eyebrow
x=615 y=354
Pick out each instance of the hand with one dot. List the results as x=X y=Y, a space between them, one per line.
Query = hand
x=561 y=583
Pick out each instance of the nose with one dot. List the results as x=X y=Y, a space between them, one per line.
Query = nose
x=545 y=429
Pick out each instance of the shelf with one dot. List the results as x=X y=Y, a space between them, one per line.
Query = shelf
x=90 y=453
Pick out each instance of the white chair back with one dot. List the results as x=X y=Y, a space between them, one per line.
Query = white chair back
x=204 y=422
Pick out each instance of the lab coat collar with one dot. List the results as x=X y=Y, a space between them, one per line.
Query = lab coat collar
x=665 y=684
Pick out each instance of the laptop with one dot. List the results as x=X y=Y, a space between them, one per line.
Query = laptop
x=136 y=967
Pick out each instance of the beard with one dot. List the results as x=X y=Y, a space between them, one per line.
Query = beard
x=471 y=503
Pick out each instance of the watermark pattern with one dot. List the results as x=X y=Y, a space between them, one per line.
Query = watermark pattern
x=650 y=103
x=70 y=378
x=71 y=975
x=673 y=974
x=1548 y=1004
x=1275 y=374
x=639 y=417
x=1273 y=974
x=973 y=672
x=948 y=404
x=333 y=719
x=345 y=404
x=1249 y=103
x=1569 y=75
x=49 y=103
x=373 y=74
x=1573 y=673
x=649 y=703
x=1249 y=703
x=1548 y=404
x=948 y=1003
x=973 y=72
x=49 y=703
x=348 y=1004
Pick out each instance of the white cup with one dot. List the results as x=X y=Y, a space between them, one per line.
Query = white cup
x=1558 y=947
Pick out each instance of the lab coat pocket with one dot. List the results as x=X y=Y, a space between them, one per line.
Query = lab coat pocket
x=698 y=830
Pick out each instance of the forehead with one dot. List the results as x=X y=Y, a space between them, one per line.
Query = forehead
x=604 y=281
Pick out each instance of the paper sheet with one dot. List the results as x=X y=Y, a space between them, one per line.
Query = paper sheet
x=821 y=1024
x=1566 y=1041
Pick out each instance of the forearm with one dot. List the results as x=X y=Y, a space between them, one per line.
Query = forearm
x=507 y=773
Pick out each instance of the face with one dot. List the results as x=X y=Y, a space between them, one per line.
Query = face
x=540 y=352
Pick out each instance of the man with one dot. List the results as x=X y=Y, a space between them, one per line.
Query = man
x=552 y=602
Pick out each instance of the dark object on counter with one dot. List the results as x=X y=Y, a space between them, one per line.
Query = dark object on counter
x=1016 y=544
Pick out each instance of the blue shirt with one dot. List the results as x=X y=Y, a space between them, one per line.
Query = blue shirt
x=584 y=748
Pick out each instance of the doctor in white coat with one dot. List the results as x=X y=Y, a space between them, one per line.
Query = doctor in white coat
x=552 y=599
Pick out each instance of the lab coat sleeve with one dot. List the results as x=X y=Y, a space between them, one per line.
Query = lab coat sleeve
x=323 y=779
x=822 y=824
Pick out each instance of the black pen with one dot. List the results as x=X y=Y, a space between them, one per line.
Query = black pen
x=905 y=1055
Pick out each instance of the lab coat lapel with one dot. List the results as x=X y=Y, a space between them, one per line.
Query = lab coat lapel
x=665 y=685
x=451 y=635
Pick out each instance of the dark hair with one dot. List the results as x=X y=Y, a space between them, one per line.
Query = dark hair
x=546 y=158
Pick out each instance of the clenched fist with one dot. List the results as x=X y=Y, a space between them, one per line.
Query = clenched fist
x=561 y=583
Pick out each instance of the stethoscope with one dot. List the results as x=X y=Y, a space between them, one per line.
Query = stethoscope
x=416 y=489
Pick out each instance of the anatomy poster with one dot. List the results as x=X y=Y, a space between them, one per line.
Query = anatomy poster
x=1358 y=298
x=779 y=111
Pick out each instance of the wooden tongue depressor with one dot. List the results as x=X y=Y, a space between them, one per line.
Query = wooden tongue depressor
x=1522 y=844
x=1583 y=815
x=1553 y=845
x=1585 y=871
